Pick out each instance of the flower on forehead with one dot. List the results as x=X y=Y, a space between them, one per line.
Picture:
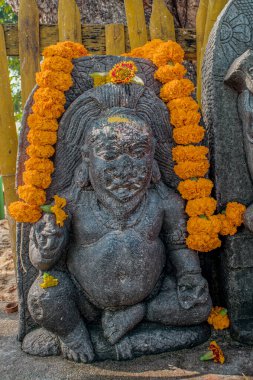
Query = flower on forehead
x=117 y=119
x=123 y=72
x=215 y=353
x=218 y=318
x=57 y=209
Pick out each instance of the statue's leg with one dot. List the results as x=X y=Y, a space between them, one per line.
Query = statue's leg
x=54 y=308
x=116 y=323
x=165 y=308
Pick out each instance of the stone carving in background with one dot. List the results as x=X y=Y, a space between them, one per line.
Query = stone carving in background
x=126 y=284
x=227 y=109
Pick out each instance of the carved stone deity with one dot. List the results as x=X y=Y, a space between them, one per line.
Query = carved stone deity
x=127 y=284
x=228 y=113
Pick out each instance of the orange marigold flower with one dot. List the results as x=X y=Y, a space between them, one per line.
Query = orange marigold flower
x=56 y=63
x=39 y=164
x=40 y=151
x=190 y=169
x=41 y=137
x=227 y=227
x=203 y=242
x=188 y=135
x=218 y=318
x=150 y=48
x=234 y=212
x=123 y=72
x=57 y=209
x=65 y=49
x=24 y=213
x=192 y=189
x=53 y=79
x=218 y=356
x=168 y=52
x=177 y=88
x=181 y=118
x=202 y=206
x=35 y=178
x=186 y=103
x=189 y=153
x=135 y=53
x=36 y=121
x=49 y=95
x=47 y=110
x=199 y=225
x=168 y=73
x=32 y=195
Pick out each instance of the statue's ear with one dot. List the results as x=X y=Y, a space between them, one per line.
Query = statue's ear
x=156 y=175
x=81 y=176
x=85 y=153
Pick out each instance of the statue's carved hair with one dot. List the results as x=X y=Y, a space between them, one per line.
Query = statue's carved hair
x=111 y=101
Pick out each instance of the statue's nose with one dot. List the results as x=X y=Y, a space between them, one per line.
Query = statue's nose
x=126 y=163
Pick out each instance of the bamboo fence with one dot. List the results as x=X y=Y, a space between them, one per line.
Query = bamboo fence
x=27 y=40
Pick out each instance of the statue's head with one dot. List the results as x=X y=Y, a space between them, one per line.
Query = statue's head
x=119 y=153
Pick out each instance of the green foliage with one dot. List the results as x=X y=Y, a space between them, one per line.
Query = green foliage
x=8 y=16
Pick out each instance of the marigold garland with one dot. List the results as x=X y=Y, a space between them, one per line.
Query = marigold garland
x=195 y=188
x=49 y=99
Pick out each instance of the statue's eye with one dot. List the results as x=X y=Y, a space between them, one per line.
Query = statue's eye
x=251 y=71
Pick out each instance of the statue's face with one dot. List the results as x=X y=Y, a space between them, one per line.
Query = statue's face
x=120 y=160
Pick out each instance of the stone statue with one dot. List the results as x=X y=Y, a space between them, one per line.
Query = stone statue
x=127 y=284
x=227 y=109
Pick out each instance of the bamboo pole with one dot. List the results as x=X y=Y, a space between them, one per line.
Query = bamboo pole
x=200 y=34
x=8 y=138
x=115 y=39
x=2 y=214
x=161 y=22
x=136 y=23
x=29 y=52
x=69 y=21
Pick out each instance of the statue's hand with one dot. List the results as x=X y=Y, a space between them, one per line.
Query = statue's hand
x=248 y=218
x=47 y=241
x=192 y=289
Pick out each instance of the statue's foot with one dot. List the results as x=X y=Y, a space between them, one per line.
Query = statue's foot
x=77 y=346
x=41 y=342
x=117 y=323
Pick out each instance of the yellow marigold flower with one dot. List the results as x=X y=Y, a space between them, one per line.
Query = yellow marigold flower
x=227 y=227
x=53 y=79
x=202 y=206
x=218 y=318
x=177 y=88
x=35 y=178
x=49 y=95
x=56 y=63
x=192 y=189
x=57 y=209
x=199 y=225
x=123 y=72
x=186 y=104
x=50 y=111
x=35 y=121
x=168 y=52
x=168 y=73
x=24 y=213
x=40 y=151
x=39 y=164
x=189 y=153
x=203 y=242
x=181 y=118
x=32 y=195
x=188 y=135
x=190 y=169
x=65 y=49
x=234 y=212
x=48 y=281
x=41 y=137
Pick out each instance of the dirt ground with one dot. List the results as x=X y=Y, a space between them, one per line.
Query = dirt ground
x=8 y=288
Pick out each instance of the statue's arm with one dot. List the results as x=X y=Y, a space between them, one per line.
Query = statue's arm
x=191 y=286
x=47 y=242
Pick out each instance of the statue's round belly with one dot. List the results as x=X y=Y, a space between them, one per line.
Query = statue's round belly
x=120 y=269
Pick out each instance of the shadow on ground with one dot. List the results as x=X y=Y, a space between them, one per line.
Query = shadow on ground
x=185 y=364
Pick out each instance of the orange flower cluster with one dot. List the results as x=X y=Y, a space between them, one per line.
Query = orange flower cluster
x=49 y=100
x=123 y=72
x=218 y=318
